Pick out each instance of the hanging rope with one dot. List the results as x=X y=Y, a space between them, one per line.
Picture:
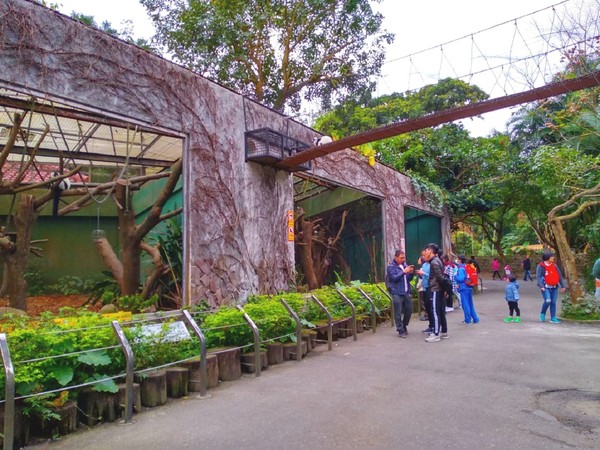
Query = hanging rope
x=529 y=58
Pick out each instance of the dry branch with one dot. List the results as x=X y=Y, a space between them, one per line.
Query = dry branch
x=12 y=137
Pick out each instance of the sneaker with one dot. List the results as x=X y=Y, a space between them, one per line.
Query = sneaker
x=402 y=335
x=517 y=319
x=542 y=317
x=427 y=330
x=432 y=338
x=509 y=319
x=462 y=322
x=444 y=336
x=423 y=319
x=448 y=309
x=555 y=320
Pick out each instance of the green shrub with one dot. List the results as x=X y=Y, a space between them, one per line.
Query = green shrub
x=361 y=304
x=336 y=306
x=103 y=286
x=272 y=319
x=379 y=298
x=71 y=285
x=134 y=303
x=157 y=348
x=77 y=336
x=35 y=282
x=226 y=327
x=588 y=308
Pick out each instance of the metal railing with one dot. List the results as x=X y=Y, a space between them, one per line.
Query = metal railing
x=392 y=315
x=373 y=310
x=329 y=322
x=129 y=352
x=353 y=308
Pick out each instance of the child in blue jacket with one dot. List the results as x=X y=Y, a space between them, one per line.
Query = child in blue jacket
x=511 y=294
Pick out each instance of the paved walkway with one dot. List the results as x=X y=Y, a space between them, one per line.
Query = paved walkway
x=492 y=385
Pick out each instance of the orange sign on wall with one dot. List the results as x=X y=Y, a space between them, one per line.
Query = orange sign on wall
x=290 y=225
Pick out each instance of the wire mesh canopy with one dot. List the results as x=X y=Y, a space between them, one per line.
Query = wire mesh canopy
x=81 y=136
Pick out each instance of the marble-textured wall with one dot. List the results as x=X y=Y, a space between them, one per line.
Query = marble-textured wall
x=235 y=211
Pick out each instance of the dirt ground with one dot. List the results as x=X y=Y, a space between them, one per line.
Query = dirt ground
x=53 y=303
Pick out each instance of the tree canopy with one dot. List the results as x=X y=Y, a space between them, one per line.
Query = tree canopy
x=278 y=52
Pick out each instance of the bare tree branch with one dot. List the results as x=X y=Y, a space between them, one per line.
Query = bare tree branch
x=153 y=216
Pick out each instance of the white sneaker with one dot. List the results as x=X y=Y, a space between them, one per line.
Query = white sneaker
x=448 y=309
x=444 y=336
x=432 y=338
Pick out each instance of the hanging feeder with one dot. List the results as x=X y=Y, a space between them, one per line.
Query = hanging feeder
x=98 y=233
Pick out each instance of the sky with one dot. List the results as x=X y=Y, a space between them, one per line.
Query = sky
x=418 y=25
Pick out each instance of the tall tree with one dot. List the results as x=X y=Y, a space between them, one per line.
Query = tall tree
x=126 y=33
x=563 y=174
x=279 y=52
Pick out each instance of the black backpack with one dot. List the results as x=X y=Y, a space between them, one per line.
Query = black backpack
x=388 y=282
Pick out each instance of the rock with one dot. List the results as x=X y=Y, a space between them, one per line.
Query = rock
x=108 y=309
x=6 y=310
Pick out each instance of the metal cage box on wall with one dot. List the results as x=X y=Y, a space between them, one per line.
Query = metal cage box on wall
x=267 y=146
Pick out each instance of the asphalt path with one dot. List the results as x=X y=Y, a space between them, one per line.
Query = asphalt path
x=527 y=385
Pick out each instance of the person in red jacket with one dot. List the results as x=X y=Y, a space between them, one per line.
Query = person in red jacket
x=549 y=280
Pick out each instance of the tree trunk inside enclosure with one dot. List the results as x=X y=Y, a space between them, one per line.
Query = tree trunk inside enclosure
x=110 y=258
x=16 y=262
x=316 y=245
x=305 y=248
x=130 y=244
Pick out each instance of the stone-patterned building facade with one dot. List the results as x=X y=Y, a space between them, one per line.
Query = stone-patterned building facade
x=235 y=211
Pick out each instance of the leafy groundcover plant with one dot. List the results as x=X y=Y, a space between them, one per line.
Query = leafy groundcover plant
x=588 y=308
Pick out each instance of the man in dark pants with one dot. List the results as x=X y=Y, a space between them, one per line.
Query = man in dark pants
x=526 y=264
x=436 y=284
x=398 y=281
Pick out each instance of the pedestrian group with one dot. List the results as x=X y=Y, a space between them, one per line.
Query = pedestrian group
x=440 y=280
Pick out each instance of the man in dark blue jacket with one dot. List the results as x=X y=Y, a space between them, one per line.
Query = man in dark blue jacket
x=398 y=283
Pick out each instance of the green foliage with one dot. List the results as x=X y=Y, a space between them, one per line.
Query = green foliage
x=45 y=354
x=103 y=287
x=380 y=300
x=354 y=116
x=71 y=285
x=587 y=308
x=361 y=304
x=126 y=33
x=430 y=192
x=277 y=52
x=72 y=348
x=272 y=319
x=226 y=327
x=157 y=349
x=35 y=282
x=336 y=306
x=558 y=140
x=40 y=406
x=465 y=244
x=134 y=303
x=171 y=251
